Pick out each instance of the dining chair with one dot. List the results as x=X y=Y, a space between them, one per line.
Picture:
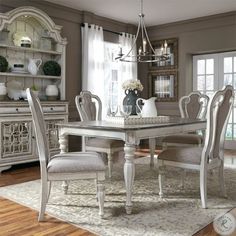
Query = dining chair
x=64 y=166
x=89 y=107
x=192 y=106
x=211 y=155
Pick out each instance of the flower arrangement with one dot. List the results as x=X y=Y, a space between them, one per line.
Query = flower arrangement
x=132 y=84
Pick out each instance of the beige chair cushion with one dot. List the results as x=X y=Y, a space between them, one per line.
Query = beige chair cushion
x=183 y=155
x=184 y=139
x=104 y=143
x=76 y=162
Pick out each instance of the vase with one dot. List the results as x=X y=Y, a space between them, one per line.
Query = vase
x=3 y=91
x=34 y=65
x=130 y=99
x=52 y=92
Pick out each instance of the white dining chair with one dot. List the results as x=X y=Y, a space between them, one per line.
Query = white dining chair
x=89 y=107
x=65 y=166
x=211 y=155
x=192 y=106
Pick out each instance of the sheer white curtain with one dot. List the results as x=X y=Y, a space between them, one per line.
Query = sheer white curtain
x=93 y=60
x=127 y=70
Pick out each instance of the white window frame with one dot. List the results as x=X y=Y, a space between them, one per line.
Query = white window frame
x=218 y=83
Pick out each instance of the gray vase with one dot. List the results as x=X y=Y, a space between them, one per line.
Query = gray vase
x=130 y=99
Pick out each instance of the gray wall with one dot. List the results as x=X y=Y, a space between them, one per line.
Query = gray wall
x=202 y=35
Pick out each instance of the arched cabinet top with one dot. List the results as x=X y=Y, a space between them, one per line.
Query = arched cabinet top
x=27 y=11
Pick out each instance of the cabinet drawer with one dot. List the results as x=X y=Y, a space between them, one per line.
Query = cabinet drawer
x=19 y=110
x=54 y=109
x=12 y=110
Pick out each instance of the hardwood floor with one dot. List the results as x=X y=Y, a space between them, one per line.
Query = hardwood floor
x=22 y=221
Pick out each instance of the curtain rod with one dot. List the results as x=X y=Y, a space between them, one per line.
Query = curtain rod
x=106 y=30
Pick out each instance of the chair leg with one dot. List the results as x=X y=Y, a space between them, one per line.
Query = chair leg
x=221 y=180
x=183 y=176
x=101 y=197
x=65 y=186
x=161 y=170
x=152 y=144
x=43 y=200
x=110 y=164
x=203 y=187
x=49 y=189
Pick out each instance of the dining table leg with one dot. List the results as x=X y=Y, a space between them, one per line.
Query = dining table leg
x=129 y=172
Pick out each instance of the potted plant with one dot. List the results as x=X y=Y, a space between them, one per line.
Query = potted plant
x=3 y=64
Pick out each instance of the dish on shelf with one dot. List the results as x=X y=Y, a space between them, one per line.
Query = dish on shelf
x=19 y=71
x=21 y=39
x=19 y=68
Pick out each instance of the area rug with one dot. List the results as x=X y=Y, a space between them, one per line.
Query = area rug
x=180 y=212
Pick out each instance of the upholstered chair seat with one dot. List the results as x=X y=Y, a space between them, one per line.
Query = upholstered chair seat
x=74 y=162
x=104 y=143
x=190 y=155
x=189 y=139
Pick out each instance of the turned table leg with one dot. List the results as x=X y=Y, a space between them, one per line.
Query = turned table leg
x=129 y=172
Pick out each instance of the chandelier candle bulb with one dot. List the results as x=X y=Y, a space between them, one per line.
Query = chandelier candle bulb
x=140 y=51
x=120 y=51
x=165 y=47
x=144 y=45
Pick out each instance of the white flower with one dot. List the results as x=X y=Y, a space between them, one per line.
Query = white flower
x=132 y=84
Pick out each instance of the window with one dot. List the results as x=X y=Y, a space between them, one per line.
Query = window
x=115 y=74
x=210 y=73
x=111 y=70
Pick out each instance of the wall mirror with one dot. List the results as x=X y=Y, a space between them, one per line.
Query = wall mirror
x=163 y=85
x=172 y=51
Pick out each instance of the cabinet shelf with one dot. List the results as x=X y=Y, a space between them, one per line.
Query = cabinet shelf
x=24 y=49
x=10 y=74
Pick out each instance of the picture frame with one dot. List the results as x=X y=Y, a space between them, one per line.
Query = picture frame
x=164 y=85
x=172 y=50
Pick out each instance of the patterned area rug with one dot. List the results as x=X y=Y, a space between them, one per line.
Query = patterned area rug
x=180 y=213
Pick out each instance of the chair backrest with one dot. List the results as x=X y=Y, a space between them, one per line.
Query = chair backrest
x=193 y=105
x=89 y=106
x=217 y=118
x=40 y=130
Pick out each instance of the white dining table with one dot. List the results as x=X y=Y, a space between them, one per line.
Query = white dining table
x=131 y=135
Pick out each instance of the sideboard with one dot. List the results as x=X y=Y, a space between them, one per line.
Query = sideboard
x=29 y=34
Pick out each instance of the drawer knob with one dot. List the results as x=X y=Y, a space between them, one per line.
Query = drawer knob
x=51 y=108
x=17 y=109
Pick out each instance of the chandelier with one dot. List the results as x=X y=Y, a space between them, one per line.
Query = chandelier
x=146 y=53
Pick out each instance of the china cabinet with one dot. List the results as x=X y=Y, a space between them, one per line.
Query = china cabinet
x=29 y=35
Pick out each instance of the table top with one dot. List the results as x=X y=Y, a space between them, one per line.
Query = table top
x=105 y=125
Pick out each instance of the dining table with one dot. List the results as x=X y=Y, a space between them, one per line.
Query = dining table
x=131 y=134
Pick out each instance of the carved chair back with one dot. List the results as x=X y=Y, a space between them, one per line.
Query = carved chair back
x=217 y=118
x=89 y=106
x=40 y=130
x=193 y=105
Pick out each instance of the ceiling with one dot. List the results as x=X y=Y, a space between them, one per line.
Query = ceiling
x=156 y=11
